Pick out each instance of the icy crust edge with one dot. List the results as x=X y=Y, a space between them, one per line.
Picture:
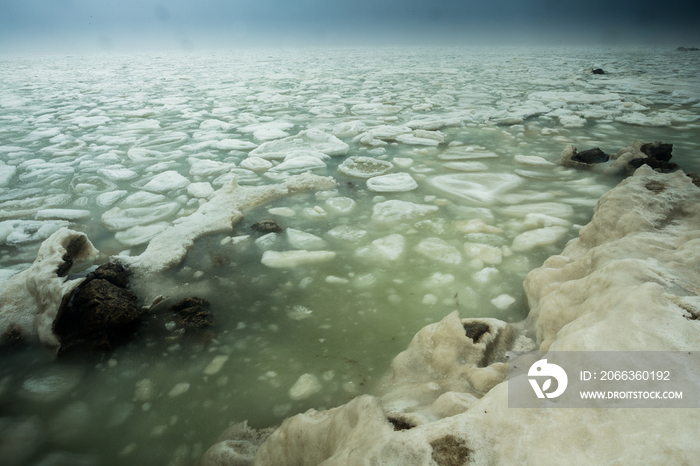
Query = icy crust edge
x=218 y=215
x=627 y=283
x=29 y=301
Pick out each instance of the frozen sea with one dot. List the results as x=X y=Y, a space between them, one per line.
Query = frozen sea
x=447 y=196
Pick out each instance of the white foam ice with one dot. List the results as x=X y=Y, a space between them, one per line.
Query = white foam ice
x=256 y=164
x=552 y=209
x=140 y=234
x=387 y=249
x=349 y=128
x=347 y=234
x=167 y=181
x=7 y=172
x=117 y=218
x=200 y=190
x=292 y=259
x=392 y=183
x=233 y=144
x=393 y=211
x=117 y=173
x=532 y=160
x=341 y=205
x=469 y=167
x=364 y=167
x=304 y=240
x=206 y=167
x=503 y=301
x=141 y=199
x=16 y=232
x=538 y=238
x=481 y=188
x=469 y=152
x=300 y=164
x=63 y=214
x=311 y=139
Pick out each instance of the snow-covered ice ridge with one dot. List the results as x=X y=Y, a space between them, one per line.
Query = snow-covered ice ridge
x=446 y=197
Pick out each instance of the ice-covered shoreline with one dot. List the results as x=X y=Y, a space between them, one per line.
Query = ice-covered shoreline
x=628 y=282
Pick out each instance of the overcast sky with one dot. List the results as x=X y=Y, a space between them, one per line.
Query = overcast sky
x=94 y=25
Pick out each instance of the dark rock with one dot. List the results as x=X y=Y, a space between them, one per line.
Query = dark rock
x=267 y=226
x=450 y=451
x=113 y=273
x=598 y=71
x=687 y=49
x=590 y=156
x=474 y=330
x=653 y=163
x=657 y=150
x=400 y=424
x=73 y=249
x=695 y=178
x=98 y=311
x=192 y=313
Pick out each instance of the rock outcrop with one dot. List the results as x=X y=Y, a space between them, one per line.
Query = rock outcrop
x=657 y=155
x=628 y=282
x=29 y=301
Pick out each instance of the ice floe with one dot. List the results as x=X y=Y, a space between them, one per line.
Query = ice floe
x=291 y=259
x=393 y=183
x=306 y=140
x=393 y=211
x=439 y=250
x=389 y=248
x=167 y=181
x=364 y=167
x=481 y=188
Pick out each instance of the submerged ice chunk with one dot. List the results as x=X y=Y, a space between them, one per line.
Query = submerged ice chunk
x=303 y=240
x=483 y=188
x=291 y=259
x=304 y=387
x=395 y=211
x=484 y=252
x=347 y=233
x=503 y=301
x=439 y=250
x=394 y=183
x=389 y=248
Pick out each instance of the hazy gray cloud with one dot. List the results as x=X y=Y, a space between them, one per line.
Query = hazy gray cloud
x=110 y=24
